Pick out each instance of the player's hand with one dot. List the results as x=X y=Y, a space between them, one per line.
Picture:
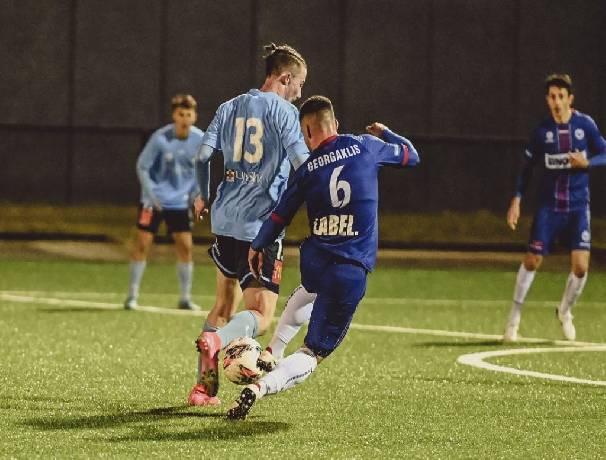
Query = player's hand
x=376 y=129
x=199 y=209
x=578 y=160
x=255 y=262
x=513 y=214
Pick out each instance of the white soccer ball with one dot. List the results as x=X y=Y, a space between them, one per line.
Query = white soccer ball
x=240 y=361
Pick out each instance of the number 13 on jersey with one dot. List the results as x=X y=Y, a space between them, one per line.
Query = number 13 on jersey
x=254 y=129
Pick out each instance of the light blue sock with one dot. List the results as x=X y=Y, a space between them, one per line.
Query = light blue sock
x=244 y=324
x=135 y=274
x=185 y=273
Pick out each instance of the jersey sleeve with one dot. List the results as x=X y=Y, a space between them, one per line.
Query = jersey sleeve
x=531 y=154
x=292 y=137
x=288 y=206
x=212 y=136
x=202 y=167
x=146 y=159
x=597 y=144
x=394 y=150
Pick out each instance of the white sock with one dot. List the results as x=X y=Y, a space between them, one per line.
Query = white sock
x=524 y=280
x=574 y=287
x=296 y=314
x=135 y=275
x=292 y=370
x=185 y=272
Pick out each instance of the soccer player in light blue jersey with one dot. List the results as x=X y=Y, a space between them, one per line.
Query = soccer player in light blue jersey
x=259 y=135
x=564 y=147
x=166 y=171
x=339 y=184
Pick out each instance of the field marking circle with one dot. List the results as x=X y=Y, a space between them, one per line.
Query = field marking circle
x=477 y=360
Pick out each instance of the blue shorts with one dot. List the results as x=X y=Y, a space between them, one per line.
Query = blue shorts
x=340 y=285
x=572 y=228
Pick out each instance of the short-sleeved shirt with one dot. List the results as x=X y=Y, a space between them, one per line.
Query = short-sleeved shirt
x=170 y=165
x=260 y=137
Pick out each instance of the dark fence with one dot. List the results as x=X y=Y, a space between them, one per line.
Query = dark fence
x=84 y=82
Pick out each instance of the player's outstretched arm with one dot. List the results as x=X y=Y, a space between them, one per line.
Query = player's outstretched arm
x=410 y=156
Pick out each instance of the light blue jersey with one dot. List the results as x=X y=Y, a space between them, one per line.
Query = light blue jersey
x=166 y=168
x=259 y=134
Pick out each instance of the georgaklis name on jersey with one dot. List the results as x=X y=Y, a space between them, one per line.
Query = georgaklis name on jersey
x=559 y=160
x=331 y=157
x=333 y=225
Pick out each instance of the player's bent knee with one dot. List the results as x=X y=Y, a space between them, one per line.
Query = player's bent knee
x=532 y=261
x=311 y=353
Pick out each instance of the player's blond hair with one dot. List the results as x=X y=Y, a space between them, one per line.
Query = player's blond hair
x=279 y=58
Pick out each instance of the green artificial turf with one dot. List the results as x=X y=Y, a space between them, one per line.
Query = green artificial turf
x=80 y=382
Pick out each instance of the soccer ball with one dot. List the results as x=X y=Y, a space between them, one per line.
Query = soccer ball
x=240 y=361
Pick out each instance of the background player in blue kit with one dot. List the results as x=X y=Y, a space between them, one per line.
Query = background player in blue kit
x=339 y=183
x=260 y=137
x=166 y=171
x=564 y=146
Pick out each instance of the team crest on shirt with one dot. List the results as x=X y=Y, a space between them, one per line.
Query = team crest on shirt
x=169 y=156
x=585 y=236
x=579 y=133
x=549 y=137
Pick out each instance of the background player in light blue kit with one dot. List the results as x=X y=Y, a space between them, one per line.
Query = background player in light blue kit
x=166 y=171
x=259 y=135
x=564 y=146
x=339 y=183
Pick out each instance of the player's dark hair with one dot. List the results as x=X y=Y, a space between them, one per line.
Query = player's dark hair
x=281 y=57
x=315 y=104
x=559 y=80
x=183 y=101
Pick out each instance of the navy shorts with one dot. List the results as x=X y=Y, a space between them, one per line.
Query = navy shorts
x=572 y=228
x=231 y=258
x=339 y=284
x=177 y=220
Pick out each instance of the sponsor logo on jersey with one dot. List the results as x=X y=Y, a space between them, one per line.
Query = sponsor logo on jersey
x=169 y=156
x=232 y=175
x=549 y=137
x=331 y=157
x=579 y=133
x=557 y=161
x=334 y=225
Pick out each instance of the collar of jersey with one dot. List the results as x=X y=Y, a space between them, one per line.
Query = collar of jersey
x=325 y=142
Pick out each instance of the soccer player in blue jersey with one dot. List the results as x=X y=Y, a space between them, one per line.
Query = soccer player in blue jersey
x=259 y=135
x=564 y=147
x=339 y=183
x=166 y=171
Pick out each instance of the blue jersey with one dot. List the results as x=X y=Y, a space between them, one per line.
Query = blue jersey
x=562 y=188
x=339 y=183
x=166 y=168
x=260 y=137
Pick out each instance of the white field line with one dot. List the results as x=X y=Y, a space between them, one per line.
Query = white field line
x=372 y=300
x=472 y=359
x=477 y=360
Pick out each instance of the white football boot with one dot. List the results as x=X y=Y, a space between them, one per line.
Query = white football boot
x=570 y=333
x=511 y=333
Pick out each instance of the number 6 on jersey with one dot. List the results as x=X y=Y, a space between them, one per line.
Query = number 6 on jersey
x=335 y=186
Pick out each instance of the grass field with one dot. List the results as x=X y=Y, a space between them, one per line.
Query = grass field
x=82 y=378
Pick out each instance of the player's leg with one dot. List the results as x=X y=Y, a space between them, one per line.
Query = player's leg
x=579 y=267
x=179 y=225
x=541 y=236
x=296 y=313
x=341 y=291
x=260 y=296
x=223 y=252
x=147 y=225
